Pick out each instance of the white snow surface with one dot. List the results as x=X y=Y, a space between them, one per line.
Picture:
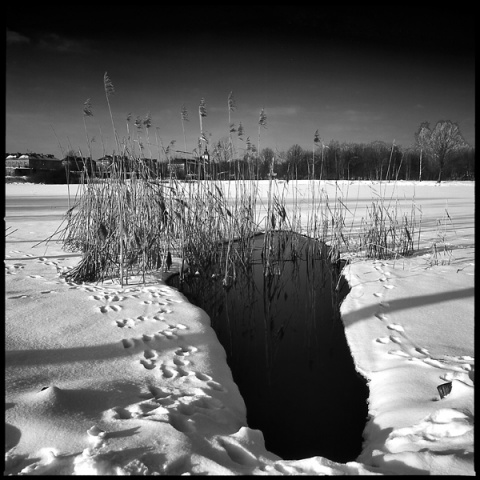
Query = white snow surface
x=105 y=380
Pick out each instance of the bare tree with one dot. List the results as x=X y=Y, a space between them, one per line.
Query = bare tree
x=422 y=136
x=444 y=139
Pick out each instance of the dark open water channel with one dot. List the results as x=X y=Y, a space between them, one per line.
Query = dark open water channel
x=286 y=347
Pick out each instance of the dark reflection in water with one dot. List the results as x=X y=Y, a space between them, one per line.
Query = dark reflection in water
x=287 y=350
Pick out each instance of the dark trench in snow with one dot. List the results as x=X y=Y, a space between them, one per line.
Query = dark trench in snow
x=286 y=347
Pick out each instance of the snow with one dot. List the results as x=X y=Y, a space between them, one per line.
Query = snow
x=104 y=380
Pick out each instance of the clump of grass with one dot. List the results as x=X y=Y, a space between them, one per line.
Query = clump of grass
x=386 y=234
x=441 y=250
x=132 y=221
x=120 y=226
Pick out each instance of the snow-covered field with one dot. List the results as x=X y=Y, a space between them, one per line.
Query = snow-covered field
x=101 y=379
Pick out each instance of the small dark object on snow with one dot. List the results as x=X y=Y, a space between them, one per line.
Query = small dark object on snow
x=444 y=389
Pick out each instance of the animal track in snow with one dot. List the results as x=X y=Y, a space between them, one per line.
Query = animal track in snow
x=186 y=351
x=203 y=377
x=181 y=362
x=396 y=327
x=388 y=286
x=107 y=298
x=149 y=364
x=109 y=308
x=126 y=323
x=128 y=343
x=395 y=339
x=400 y=353
x=167 y=371
x=423 y=351
x=449 y=376
x=172 y=331
x=149 y=354
x=433 y=362
x=383 y=340
x=216 y=386
x=164 y=311
x=168 y=334
x=381 y=316
x=15 y=266
x=121 y=413
x=150 y=302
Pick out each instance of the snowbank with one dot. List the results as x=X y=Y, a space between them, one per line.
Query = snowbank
x=108 y=380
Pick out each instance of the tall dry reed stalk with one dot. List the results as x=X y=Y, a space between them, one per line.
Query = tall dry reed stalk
x=133 y=221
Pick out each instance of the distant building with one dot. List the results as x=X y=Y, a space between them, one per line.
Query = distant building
x=32 y=163
x=22 y=164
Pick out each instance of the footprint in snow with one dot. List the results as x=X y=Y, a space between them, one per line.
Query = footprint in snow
x=149 y=364
x=109 y=308
x=168 y=334
x=383 y=340
x=203 y=377
x=96 y=432
x=181 y=362
x=172 y=331
x=449 y=376
x=167 y=372
x=400 y=353
x=186 y=351
x=149 y=354
x=395 y=339
x=433 y=362
x=216 y=386
x=128 y=343
x=126 y=323
x=106 y=298
x=421 y=350
x=381 y=316
x=396 y=327
x=388 y=286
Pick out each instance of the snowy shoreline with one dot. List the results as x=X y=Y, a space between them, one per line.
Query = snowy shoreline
x=408 y=323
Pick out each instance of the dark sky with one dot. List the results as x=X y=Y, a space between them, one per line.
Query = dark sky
x=357 y=74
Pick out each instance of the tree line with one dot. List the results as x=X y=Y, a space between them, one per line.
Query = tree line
x=439 y=153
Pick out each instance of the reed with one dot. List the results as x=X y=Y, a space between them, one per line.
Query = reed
x=133 y=221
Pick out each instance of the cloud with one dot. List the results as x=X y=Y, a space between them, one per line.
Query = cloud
x=57 y=43
x=15 y=38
